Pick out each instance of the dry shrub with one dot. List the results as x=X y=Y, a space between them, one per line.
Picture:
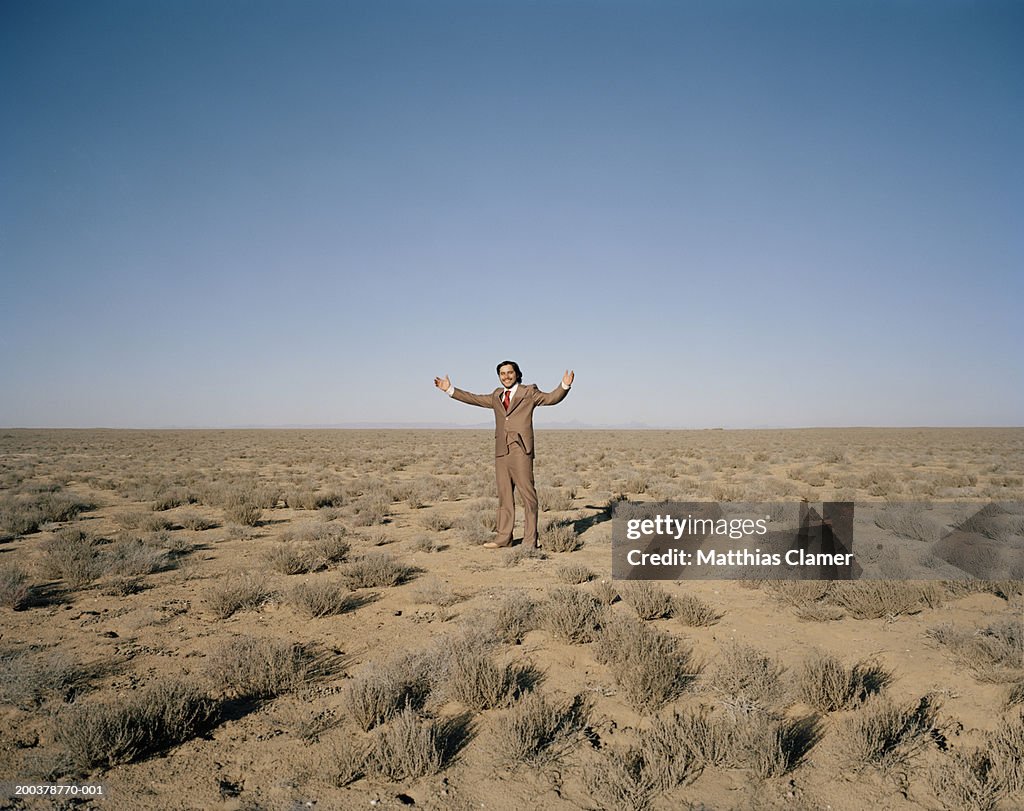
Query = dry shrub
x=650 y=666
x=28 y=678
x=624 y=778
x=470 y=676
x=24 y=514
x=256 y=667
x=649 y=600
x=242 y=506
x=521 y=553
x=371 y=510
x=605 y=592
x=747 y=678
x=289 y=558
x=909 y=522
x=345 y=761
x=196 y=522
x=560 y=536
x=424 y=543
x=773 y=746
x=884 y=734
x=574 y=574
x=477 y=528
x=322 y=598
x=1006 y=745
x=237 y=592
x=376 y=571
x=694 y=612
x=134 y=557
x=436 y=522
x=123 y=587
x=538 y=729
x=74 y=556
x=515 y=616
x=1016 y=695
x=768 y=745
x=993 y=654
x=15 y=588
x=968 y=781
x=380 y=691
x=410 y=746
x=874 y=599
x=299 y=499
x=826 y=684
x=553 y=499
x=706 y=737
x=102 y=735
x=797 y=592
x=572 y=615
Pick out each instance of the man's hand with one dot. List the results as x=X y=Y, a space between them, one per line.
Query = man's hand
x=567 y=378
x=443 y=383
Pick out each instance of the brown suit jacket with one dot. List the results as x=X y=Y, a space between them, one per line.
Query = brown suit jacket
x=518 y=423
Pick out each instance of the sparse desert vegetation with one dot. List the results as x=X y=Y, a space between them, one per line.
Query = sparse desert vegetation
x=275 y=618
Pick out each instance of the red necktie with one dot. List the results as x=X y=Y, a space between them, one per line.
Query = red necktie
x=506 y=399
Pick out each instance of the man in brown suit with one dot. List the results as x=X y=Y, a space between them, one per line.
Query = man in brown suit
x=513 y=405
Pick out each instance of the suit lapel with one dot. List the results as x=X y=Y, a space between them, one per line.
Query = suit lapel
x=520 y=394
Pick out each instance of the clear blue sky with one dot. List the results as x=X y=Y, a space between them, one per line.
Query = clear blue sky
x=735 y=214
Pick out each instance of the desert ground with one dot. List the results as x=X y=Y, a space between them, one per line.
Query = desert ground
x=307 y=619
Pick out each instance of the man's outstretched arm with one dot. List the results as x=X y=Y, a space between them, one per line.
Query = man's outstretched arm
x=556 y=396
x=482 y=400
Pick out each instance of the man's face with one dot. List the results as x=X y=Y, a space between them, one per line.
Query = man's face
x=507 y=376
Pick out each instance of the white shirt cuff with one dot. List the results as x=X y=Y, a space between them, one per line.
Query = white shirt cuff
x=565 y=386
x=451 y=390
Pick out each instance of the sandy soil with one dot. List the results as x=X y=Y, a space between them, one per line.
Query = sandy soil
x=425 y=498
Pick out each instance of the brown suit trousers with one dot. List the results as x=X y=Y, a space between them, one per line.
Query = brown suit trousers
x=513 y=453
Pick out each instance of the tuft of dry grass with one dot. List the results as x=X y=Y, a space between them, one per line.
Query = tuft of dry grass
x=876 y=599
x=410 y=746
x=650 y=666
x=624 y=778
x=884 y=734
x=256 y=667
x=993 y=654
x=242 y=506
x=747 y=678
x=196 y=522
x=574 y=574
x=560 y=536
x=289 y=558
x=237 y=592
x=649 y=600
x=74 y=556
x=28 y=679
x=537 y=729
x=376 y=571
x=472 y=677
x=15 y=587
x=826 y=684
x=322 y=598
x=572 y=615
x=605 y=592
x=27 y=512
x=693 y=611
x=345 y=761
x=516 y=615
x=382 y=690
x=908 y=521
x=103 y=735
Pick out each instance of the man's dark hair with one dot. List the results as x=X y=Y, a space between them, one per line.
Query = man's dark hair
x=514 y=365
